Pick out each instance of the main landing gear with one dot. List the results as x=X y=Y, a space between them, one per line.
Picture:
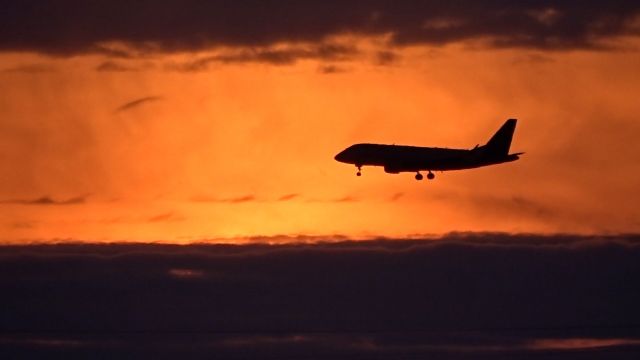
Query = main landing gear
x=430 y=176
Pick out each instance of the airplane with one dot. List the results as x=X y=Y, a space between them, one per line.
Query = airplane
x=401 y=158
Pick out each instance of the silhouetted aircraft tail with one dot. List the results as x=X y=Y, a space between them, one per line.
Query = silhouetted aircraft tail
x=500 y=142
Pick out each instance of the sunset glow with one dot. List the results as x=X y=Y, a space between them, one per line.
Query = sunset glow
x=151 y=135
x=150 y=151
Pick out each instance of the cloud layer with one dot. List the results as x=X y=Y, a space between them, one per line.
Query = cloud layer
x=73 y=26
x=461 y=296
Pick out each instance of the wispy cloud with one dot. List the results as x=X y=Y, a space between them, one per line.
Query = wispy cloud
x=386 y=57
x=137 y=102
x=580 y=343
x=345 y=199
x=169 y=216
x=397 y=196
x=230 y=200
x=47 y=200
x=22 y=225
x=115 y=66
x=30 y=69
x=242 y=198
x=331 y=69
x=288 y=197
x=273 y=56
x=339 y=199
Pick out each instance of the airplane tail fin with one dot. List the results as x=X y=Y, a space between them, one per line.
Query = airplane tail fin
x=500 y=142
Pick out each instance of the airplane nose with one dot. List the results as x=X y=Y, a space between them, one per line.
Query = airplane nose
x=340 y=156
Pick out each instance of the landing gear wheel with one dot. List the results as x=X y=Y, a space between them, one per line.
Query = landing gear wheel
x=359 y=173
x=418 y=176
x=430 y=175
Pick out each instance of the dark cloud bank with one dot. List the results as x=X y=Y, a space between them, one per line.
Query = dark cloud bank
x=465 y=296
x=66 y=27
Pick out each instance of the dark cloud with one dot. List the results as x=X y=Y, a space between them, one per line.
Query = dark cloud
x=65 y=27
x=288 y=56
x=464 y=296
x=137 y=102
x=47 y=200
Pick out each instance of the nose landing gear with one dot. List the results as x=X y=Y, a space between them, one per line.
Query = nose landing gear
x=359 y=173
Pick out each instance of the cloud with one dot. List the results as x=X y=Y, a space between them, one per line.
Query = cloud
x=532 y=59
x=47 y=200
x=114 y=66
x=273 y=56
x=231 y=200
x=386 y=57
x=137 y=102
x=580 y=343
x=345 y=199
x=242 y=198
x=30 y=69
x=505 y=205
x=184 y=273
x=72 y=27
x=254 y=198
x=342 y=199
x=22 y=225
x=166 y=217
x=498 y=295
x=331 y=69
x=288 y=197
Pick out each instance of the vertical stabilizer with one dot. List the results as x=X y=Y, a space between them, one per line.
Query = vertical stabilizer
x=500 y=142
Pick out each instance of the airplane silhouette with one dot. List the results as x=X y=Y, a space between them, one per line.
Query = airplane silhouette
x=400 y=158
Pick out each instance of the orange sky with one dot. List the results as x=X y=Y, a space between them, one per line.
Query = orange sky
x=230 y=150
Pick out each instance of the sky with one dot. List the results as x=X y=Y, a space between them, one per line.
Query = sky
x=199 y=121
x=168 y=184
